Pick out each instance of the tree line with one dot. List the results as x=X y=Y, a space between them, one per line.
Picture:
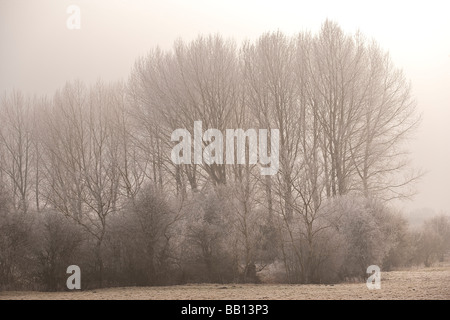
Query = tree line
x=86 y=175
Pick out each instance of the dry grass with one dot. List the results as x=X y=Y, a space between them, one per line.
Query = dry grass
x=431 y=283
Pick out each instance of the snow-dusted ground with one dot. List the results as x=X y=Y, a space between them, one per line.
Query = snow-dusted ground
x=431 y=283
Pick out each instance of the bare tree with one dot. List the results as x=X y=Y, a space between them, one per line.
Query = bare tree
x=16 y=145
x=83 y=164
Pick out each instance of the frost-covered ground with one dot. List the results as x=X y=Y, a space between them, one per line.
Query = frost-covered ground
x=431 y=283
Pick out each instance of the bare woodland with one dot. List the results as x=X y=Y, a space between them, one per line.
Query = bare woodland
x=86 y=176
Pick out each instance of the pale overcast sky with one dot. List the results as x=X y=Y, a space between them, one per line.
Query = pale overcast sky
x=38 y=54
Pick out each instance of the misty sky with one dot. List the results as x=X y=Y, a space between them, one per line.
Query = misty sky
x=38 y=54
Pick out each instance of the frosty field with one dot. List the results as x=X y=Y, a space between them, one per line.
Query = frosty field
x=430 y=283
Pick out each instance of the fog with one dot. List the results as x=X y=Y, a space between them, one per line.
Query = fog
x=38 y=54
